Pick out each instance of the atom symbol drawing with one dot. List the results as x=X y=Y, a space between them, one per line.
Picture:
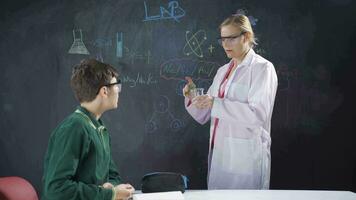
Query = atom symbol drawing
x=194 y=43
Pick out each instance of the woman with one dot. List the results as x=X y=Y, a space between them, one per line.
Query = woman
x=239 y=103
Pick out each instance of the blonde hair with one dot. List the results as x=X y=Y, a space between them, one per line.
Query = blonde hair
x=243 y=23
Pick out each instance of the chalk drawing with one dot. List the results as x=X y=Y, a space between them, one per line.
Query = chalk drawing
x=99 y=56
x=252 y=19
x=119 y=44
x=161 y=110
x=211 y=48
x=78 y=46
x=194 y=42
x=174 y=11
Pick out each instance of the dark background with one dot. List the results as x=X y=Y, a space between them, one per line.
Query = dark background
x=310 y=43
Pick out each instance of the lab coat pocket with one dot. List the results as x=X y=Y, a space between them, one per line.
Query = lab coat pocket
x=238 y=155
x=238 y=91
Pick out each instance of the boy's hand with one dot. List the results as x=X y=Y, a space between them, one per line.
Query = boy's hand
x=124 y=191
x=108 y=185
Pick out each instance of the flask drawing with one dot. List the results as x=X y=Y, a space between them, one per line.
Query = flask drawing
x=78 y=46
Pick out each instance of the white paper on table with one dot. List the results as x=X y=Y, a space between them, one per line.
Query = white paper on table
x=159 y=196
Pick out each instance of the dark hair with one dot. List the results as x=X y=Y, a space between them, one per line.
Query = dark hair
x=88 y=77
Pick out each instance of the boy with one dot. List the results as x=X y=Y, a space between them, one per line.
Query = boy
x=78 y=163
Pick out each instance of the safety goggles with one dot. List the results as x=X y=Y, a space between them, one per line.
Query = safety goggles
x=229 y=39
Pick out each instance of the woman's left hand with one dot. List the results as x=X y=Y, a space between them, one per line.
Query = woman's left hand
x=203 y=101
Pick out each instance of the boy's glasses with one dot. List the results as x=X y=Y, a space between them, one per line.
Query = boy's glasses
x=118 y=83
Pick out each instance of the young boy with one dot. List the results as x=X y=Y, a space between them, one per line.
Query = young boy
x=78 y=162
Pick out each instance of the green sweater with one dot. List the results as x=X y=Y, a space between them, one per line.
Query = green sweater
x=78 y=160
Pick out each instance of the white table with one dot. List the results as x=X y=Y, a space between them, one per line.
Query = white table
x=268 y=195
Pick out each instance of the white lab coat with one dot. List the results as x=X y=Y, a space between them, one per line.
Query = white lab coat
x=241 y=156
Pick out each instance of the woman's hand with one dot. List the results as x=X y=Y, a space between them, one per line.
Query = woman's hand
x=187 y=90
x=203 y=101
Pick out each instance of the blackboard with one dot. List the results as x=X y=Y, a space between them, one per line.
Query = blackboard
x=154 y=44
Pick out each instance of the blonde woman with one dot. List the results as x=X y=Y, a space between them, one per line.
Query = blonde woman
x=239 y=103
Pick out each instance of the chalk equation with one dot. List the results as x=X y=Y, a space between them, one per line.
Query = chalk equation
x=107 y=42
x=133 y=56
x=139 y=79
x=173 y=11
x=177 y=69
x=102 y=42
x=211 y=48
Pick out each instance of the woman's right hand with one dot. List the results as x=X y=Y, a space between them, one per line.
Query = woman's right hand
x=187 y=88
x=203 y=102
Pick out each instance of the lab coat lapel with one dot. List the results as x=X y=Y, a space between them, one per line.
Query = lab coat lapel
x=245 y=63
